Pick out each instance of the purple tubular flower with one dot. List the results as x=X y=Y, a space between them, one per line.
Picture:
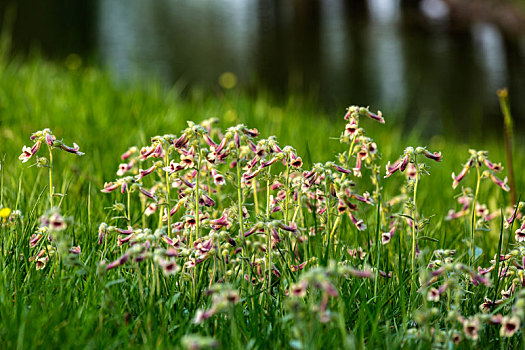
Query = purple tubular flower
x=147 y=193
x=50 y=139
x=109 y=187
x=358 y=223
x=378 y=116
x=492 y=166
x=435 y=156
x=209 y=140
x=500 y=183
x=404 y=163
x=181 y=141
x=252 y=230
x=122 y=241
x=342 y=170
x=33 y=241
x=249 y=176
x=75 y=250
x=460 y=176
x=220 y=222
x=365 y=198
x=365 y=112
x=146 y=172
x=366 y=273
x=123 y=187
x=74 y=149
x=351 y=127
x=126 y=232
x=221 y=145
x=128 y=153
x=276 y=148
x=237 y=140
x=35 y=148
x=292 y=227
x=390 y=169
x=157 y=152
x=119 y=262
x=270 y=162
x=295 y=161
x=102 y=230
x=207 y=200
x=251 y=132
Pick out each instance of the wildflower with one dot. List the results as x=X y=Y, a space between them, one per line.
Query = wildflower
x=520 y=233
x=341 y=169
x=119 y=262
x=147 y=193
x=351 y=127
x=169 y=267
x=150 y=209
x=102 y=231
x=129 y=152
x=434 y=156
x=75 y=250
x=509 y=326
x=299 y=289
x=74 y=149
x=295 y=161
x=456 y=338
x=399 y=164
x=358 y=223
x=41 y=262
x=292 y=227
x=109 y=187
x=500 y=183
x=218 y=178
x=220 y=222
x=27 y=152
x=471 y=328
x=462 y=174
x=35 y=238
x=433 y=295
x=492 y=166
x=146 y=172
x=54 y=222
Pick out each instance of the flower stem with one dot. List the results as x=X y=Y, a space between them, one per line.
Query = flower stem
x=414 y=213
x=197 y=196
x=51 y=194
x=473 y=217
x=268 y=235
x=167 y=164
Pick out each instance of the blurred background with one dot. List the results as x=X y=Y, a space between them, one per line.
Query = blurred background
x=436 y=62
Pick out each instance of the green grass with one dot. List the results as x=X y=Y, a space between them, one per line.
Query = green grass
x=66 y=307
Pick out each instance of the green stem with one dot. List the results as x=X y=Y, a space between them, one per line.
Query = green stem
x=268 y=235
x=239 y=201
x=197 y=196
x=414 y=213
x=51 y=194
x=167 y=178
x=473 y=217
x=129 y=205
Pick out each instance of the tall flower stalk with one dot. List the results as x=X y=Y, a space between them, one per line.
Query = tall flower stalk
x=46 y=136
x=410 y=156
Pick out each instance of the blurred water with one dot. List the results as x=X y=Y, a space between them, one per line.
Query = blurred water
x=402 y=55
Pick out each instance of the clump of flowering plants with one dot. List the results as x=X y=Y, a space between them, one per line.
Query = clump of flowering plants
x=50 y=238
x=228 y=229
x=485 y=169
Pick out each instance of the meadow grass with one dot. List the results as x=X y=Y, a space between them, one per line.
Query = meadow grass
x=81 y=305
